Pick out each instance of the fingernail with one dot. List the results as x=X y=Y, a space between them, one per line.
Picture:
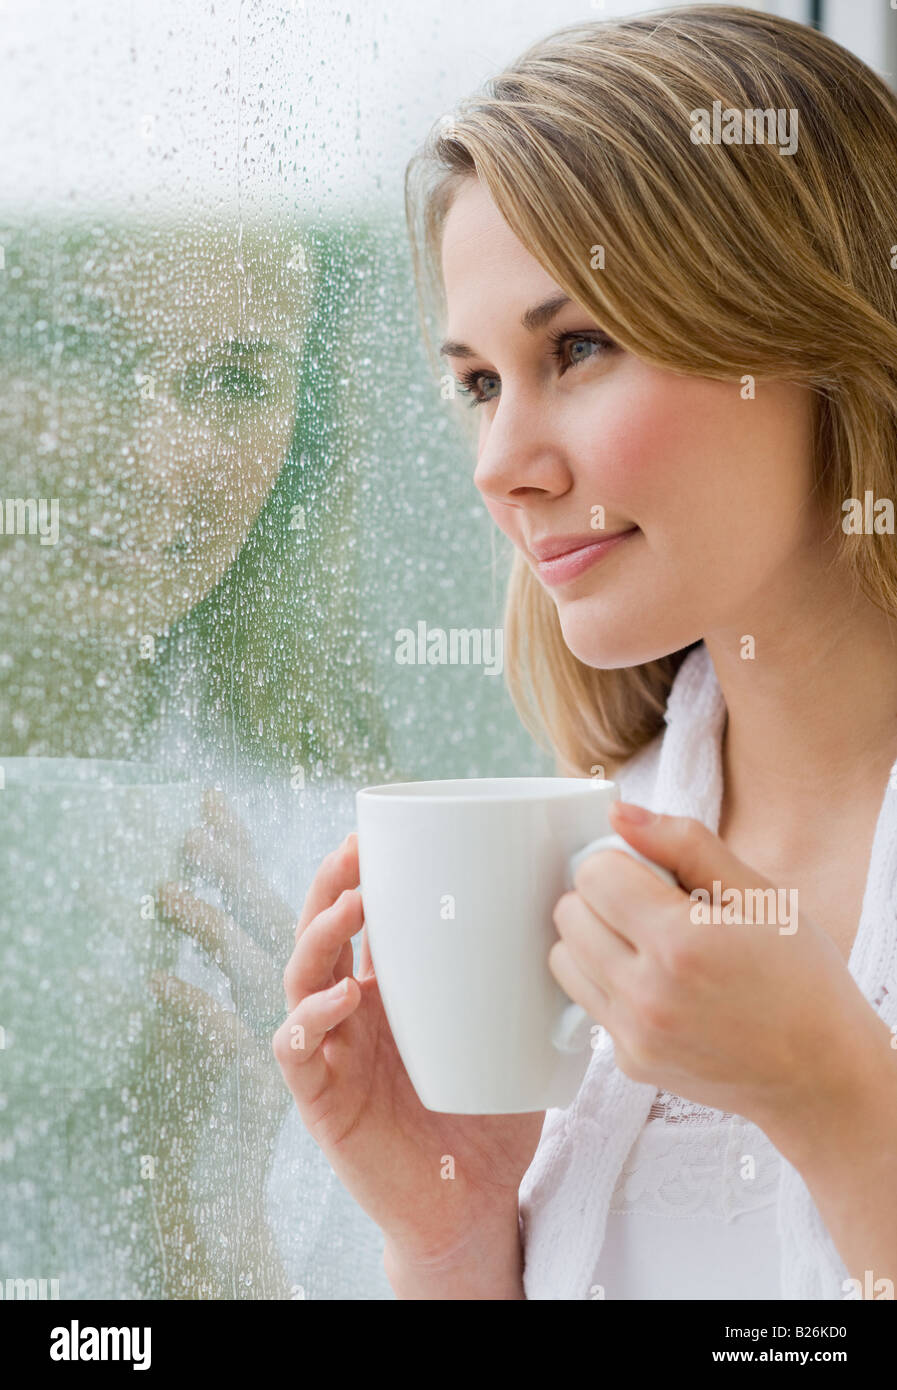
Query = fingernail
x=634 y=815
x=340 y=989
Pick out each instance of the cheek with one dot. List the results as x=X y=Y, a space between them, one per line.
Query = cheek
x=657 y=442
x=684 y=455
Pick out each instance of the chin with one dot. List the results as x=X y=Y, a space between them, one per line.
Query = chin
x=611 y=645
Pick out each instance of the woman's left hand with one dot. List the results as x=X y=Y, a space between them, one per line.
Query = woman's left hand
x=201 y=1040
x=758 y=1019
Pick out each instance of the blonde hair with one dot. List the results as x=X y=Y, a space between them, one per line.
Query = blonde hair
x=721 y=260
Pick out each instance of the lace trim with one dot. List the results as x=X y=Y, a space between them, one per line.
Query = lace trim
x=690 y=1160
x=674 y=1110
x=693 y=1160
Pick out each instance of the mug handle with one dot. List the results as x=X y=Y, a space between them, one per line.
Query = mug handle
x=573 y=1028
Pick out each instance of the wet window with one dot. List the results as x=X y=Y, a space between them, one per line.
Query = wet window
x=229 y=480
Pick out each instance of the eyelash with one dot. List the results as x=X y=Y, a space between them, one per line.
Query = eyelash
x=468 y=380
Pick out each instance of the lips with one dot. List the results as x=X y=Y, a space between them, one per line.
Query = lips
x=552 y=546
x=563 y=558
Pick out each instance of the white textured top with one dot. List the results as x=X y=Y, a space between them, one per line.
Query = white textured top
x=693 y=1213
x=619 y=1154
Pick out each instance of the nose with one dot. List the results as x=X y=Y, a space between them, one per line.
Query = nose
x=520 y=455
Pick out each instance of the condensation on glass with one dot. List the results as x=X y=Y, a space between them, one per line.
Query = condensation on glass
x=229 y=480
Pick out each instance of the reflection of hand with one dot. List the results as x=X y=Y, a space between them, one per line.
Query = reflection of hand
x=203 y=1039
x=220 y=852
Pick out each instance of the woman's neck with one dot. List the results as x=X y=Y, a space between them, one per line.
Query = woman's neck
x=811 y=727
x=67 y=694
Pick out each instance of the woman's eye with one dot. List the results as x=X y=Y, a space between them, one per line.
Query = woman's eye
x=241 y=373
x=226 y=377
x=564 y=347
x=582 y=342
x=470 y=386
x=565 y=351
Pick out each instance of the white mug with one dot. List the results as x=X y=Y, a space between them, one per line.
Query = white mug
x=459 y=880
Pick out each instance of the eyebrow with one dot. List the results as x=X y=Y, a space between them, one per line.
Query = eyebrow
x=534 y=319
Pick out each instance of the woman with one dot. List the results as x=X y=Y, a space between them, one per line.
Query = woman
x=192 y=625
x=686 y=340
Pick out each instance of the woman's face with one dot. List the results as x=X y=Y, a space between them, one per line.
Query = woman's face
x=713 y=490
x=160 y=388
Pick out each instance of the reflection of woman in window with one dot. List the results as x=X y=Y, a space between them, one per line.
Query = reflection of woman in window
x=199 y=612
x=181 y=385
x=690 y=347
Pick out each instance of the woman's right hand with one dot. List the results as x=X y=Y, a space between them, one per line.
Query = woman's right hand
x=433 y=1183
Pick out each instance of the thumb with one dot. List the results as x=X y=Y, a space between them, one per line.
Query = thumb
x=683 y=845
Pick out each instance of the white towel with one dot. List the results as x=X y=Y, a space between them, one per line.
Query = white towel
x=566 y=1191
